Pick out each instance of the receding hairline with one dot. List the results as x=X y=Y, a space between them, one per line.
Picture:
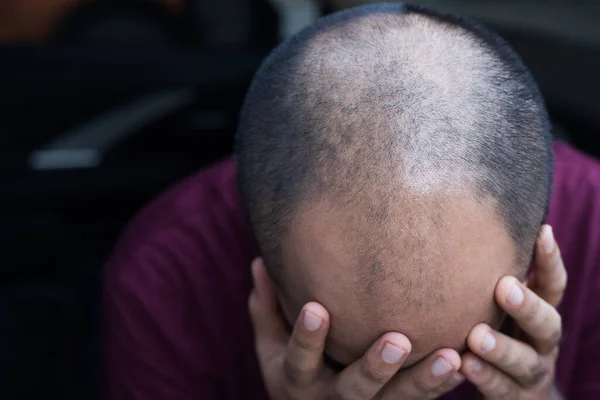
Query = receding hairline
x=342 y=27
x=431 y=71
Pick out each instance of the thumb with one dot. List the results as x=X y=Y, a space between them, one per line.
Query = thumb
x=270 y=334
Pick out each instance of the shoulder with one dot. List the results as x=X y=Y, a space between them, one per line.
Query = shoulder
x=575 y=214
x=575 y=205
x=207 y=192
x=189 y=230
x=568 y=155
x=177 y=276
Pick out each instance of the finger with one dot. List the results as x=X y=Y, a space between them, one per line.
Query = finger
x=304 y=355
x=491 y=382
x=538 y=319
x=517 y=359
x=549 y=274
x=263 y=285
x=427 y=379
x=270 y=334
x=364 y=378
x=455 y=379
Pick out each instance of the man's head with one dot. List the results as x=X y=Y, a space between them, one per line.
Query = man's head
x=395 y=163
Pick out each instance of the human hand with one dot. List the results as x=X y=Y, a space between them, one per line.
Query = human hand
x=293 y=368
x=522 y=366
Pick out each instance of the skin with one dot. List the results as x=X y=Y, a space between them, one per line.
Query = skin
x=436 y=273
x=522 y=366
x=293 y=365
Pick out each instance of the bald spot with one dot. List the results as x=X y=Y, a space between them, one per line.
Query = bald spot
x=400 y=95
x=381 y=159
x=433 y=277
x=396 y=243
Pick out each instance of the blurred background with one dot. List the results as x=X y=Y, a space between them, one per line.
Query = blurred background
x=105 y=103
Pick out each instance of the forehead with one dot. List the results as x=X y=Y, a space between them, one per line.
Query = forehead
x=431 y=279
x=354 y=329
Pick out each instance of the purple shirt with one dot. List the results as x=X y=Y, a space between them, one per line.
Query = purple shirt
x=175 y=297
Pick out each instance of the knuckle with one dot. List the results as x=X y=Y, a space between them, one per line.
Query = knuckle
x=552 y=335
x=559 y=324
x=500 y=389
x=303 y=342
x=555 y=292
x=253 y=305
x=421 y=385
x=531 y=312
x=494 y=383
x=306 y=340
x=373 y=374
x=505 y=394
x=342 y=392
x=336 y=393
x=536 y=374
x=553 y=338
x=267 y=359
x=507 y=358
x=296 y=374
x=440 y=390
x=561 y=284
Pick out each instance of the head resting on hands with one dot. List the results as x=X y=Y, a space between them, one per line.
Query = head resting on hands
x=394 y=162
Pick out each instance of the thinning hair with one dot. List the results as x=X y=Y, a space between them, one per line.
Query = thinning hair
x=387 y=96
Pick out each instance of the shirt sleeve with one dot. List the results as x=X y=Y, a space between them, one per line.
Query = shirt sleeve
x=152 y=346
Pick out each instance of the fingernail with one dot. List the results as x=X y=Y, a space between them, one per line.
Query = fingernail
x=441 y=367
x=392 y=354
x=516 y=296
x=311 y=321
x=476 y=366
x=547 y=239
x=489 y=343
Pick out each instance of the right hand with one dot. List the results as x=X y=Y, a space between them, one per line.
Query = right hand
x=292 y=365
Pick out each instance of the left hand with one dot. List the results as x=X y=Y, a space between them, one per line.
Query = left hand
x=504 y=367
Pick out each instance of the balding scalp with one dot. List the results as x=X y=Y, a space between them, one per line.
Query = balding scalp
x=382 y=100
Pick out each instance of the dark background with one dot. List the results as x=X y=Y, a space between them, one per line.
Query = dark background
x=104 y=104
